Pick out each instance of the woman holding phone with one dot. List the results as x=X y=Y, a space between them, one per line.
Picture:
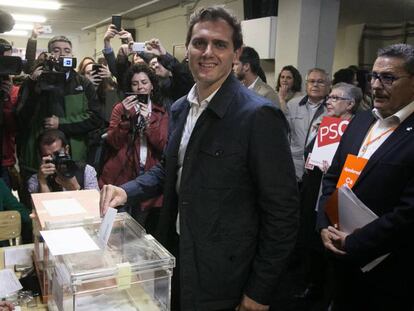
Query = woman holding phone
x=137 y=135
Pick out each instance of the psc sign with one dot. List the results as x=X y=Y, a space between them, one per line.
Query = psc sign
x=331 y=130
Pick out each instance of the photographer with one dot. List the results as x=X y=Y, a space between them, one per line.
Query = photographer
x=8 y=98
x=137 y=135
x=56 y=97
x=58 y=172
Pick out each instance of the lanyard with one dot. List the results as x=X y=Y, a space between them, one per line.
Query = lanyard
x=370 y=141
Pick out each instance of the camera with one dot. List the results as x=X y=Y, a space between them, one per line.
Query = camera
x=54 y=72
x=64 y=164
x=9 y=65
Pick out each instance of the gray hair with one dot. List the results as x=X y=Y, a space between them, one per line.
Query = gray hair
x=351 y=91
x=57 y=39
x=403 y=51
x=322 y=71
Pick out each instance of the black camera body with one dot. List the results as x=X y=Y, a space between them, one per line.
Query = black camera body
x=64 y=164
x=9 y=65
x=54 y=72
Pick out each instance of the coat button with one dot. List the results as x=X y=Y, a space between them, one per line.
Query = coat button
x=218 y=152
x=184 y=203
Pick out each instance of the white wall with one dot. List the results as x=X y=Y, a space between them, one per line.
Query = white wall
x=347 y=44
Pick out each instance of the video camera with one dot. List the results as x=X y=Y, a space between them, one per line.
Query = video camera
x=9 y=65
x=64 y=164
x=54 y=72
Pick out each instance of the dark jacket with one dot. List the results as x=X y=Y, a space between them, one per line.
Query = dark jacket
x=238 y=200
x=386 y=186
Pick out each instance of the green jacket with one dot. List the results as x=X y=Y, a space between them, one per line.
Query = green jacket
x=79 y=113
x=9 y=203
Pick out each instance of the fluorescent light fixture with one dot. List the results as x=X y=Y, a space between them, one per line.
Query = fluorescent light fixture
x=21 y=26
x=32 y=4
x=29 y=18
x=16 y=33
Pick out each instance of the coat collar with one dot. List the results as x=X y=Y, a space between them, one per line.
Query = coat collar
x=403 y=132
x=224 y=96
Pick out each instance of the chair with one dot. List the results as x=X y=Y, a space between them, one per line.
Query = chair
x=10 y=227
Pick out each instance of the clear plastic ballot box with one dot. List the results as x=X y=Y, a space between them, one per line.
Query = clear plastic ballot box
x=59 y=207
x=131 y=272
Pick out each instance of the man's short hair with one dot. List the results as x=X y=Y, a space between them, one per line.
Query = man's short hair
x=49 y=136
x=57 y=39
x=322 y=71
x=351 y=91
x=401 y=50
x=215 y=13
x=250 y=56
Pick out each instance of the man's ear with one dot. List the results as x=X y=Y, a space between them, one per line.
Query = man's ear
x=246 y=67
x=67 y=149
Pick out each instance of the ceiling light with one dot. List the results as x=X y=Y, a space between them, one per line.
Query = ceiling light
x=33 y=4
x=29 y=18
x=17 y=33
x=21 y=26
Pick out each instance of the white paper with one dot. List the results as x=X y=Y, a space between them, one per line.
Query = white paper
x=9 y=283
x=20 y=255
x=106 y=225
x=322 y=154
x=354 y=214
x=63 y=207
x=68 y=241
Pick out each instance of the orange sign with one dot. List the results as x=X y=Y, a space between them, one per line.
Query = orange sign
x=352 y=169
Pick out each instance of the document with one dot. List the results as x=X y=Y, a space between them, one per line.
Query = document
x=9 y=283
x=19 y=255
x=106 y=225
x=68 y=241
x=63 y=207
x=354 y=214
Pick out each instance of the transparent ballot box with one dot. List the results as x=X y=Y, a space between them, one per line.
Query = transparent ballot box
x=56 y=208
x=131 y=272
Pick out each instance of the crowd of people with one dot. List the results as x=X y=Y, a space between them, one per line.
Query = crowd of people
x=211 y=159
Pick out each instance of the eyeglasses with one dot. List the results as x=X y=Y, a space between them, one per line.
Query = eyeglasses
x=318 y=82
x=336 y=98
x=386 y=78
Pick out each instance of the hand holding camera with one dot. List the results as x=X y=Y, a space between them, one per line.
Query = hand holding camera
x=68 y=183
x=47 y=168
x=130 y=104
x=6 y=85
x=154 y=46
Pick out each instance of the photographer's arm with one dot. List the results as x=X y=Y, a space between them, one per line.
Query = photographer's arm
x=119 y=126
x=31 y=48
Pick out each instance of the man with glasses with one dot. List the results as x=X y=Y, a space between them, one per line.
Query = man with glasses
x=304 y=115
x=384 y=138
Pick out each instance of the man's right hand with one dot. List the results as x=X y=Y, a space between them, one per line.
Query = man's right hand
x=46 y=169
x=36 y=73
x=111 y=196
x=110 y=33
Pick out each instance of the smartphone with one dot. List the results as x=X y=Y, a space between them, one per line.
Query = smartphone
x=116 y=20
x=96 y=68
x=138 y=47
x=142 y=98
x=47 y=29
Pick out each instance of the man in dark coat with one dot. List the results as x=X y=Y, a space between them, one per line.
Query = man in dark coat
x=384 y=138
x=228 y=174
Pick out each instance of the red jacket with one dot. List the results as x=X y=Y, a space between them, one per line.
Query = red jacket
x=122 y=164
x=10 y=127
